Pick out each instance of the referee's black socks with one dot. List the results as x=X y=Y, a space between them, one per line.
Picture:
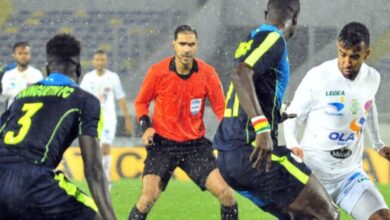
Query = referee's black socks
x=229 y=212
x=135 y=214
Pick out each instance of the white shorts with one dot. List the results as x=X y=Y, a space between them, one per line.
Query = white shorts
x=108 y=133
x=348 y=191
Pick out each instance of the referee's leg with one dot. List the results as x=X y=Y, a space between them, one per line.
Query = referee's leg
x=157 y=171
x=151 y=190
x=222 y=191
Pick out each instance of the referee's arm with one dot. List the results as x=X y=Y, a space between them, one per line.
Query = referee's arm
x=215 y=94
x=145 y=95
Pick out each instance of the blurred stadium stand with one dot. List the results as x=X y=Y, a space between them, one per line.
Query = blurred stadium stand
x=126 y=35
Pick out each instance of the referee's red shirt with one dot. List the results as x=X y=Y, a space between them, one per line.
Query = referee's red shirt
x=179 y=101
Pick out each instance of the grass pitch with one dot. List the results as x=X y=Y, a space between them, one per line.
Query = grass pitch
x=183 y=200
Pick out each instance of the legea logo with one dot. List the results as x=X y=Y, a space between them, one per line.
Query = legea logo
x=335 y=93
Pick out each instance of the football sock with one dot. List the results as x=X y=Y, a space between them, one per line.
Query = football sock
x=135 y=214
x=229 y=212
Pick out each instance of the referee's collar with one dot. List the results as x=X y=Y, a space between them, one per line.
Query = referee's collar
x=194 y=69
x=266 y=27
x=58 y=79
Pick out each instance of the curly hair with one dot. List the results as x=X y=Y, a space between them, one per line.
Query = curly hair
x=63 y=46
x=283 y=9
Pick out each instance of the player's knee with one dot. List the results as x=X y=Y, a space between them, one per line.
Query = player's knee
x=226 y=196
x=382 y=214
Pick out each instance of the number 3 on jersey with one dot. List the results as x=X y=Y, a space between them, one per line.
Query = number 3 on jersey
x=232 y=105
x=25 y=121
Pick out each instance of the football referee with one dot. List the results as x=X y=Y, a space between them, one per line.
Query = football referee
x=179 y=86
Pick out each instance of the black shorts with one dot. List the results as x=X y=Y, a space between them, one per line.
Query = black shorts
x=195 y=157
x=29 y=191
x=277 y=188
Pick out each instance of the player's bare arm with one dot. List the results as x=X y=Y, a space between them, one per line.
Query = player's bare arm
x=94 y=174
x=242 y=78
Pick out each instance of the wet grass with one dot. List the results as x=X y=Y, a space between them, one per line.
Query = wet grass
x=183 y=200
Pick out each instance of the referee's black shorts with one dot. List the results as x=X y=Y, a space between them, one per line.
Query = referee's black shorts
x=195 y=157
x=271 y=191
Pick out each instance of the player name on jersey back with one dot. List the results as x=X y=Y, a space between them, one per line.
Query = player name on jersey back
x=43 y=91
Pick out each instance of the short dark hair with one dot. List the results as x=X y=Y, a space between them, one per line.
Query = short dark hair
x=184 y=28
x=353 y=34
x=20 y=44
x=63 y=46
x=283 y=9
x=100 y=51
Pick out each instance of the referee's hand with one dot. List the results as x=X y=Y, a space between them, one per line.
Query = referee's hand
x=262 y=151
x=147 y=137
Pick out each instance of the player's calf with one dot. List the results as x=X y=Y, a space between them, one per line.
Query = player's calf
x=315 y=202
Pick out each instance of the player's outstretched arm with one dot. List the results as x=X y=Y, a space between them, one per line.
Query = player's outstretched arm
x=95 y=176
x=242 y=78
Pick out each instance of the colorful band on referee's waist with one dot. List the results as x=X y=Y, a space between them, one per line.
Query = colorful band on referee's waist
x=260 y=124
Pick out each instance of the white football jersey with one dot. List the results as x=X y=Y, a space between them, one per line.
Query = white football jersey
x=14 y=81
x=336 y=110
x=106 y=88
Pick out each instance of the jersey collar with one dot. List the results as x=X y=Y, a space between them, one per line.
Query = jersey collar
x=266 y=27
x=172 y=67
x=58 y=79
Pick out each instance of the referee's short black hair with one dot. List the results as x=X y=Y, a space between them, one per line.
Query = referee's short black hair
x=20 y=44
x=353 y=34
x=63 y=46
x=184 y=28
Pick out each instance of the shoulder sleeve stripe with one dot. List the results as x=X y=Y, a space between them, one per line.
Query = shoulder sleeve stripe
x=269 y=41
